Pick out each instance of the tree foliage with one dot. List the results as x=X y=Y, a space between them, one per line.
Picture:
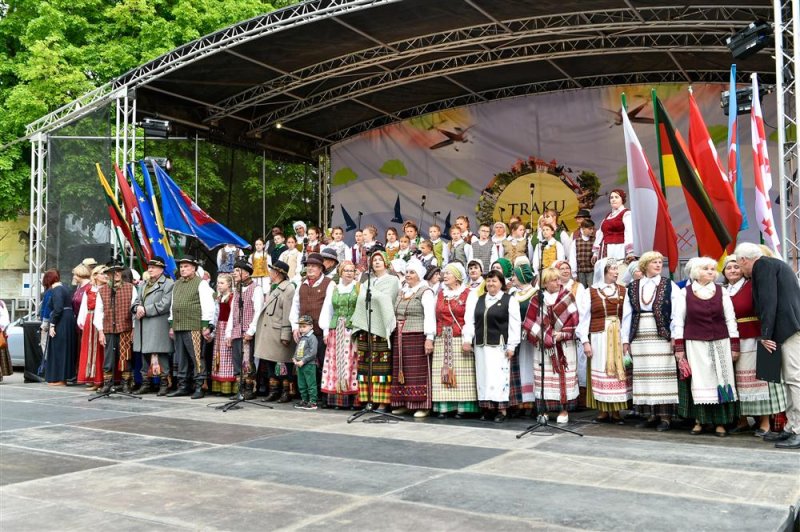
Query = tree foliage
x=52 y=51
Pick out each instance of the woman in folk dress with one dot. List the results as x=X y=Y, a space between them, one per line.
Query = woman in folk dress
x=339 y=372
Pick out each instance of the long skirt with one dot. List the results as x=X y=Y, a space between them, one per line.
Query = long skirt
x=61 y=349
x=381 y=357
x=756 y=397
x=608 y=392
x=561 y=390
x=411 y=371
x=5 y=362
x=526 y=358
x=90 y=363
x=713 y=379
x=461 y=393
x=705 y=414
x=493 y=376
x=339 y=371
x=223 y=378
x=655 y=373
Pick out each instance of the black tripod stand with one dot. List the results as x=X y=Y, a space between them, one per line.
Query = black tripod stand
x=111 y=391
x=541 y=407
x=382 y=417
x=235 y=404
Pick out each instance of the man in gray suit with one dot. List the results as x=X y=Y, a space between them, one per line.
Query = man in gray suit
x=151 y=326
x=776 y=296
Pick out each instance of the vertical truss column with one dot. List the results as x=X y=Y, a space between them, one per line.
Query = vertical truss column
x=37 y=243
x=787 y=70
x=324 y=175
x=124 y=144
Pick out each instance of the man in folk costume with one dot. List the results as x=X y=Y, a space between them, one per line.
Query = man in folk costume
x=580 y=255
x=313 y=298
x=246 y=304
x=151 y=325
x=330 y=261
x=192 y=310
x=114 y=324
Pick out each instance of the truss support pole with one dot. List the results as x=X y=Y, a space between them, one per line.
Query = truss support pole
x=37 y=241
x=124 y=148
x=324 y=200
x=787 y=50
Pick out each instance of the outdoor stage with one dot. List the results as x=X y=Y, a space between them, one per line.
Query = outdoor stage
x=175 y=464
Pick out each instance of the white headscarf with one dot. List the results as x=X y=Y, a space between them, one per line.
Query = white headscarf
x=599 y=279
x=415 y=265
x=458 y=272
x=626 y=277
x=299 y=223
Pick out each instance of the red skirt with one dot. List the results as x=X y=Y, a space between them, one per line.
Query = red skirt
x=411 y=372
x=90 y=362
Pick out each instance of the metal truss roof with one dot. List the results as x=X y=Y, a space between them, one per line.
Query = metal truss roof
x=302 y=78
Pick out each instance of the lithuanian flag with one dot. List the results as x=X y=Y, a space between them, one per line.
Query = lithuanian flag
x=668 y=169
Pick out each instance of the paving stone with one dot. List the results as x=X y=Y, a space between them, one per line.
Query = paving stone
x=378 y=449
x=20 y=465
x=15 y=415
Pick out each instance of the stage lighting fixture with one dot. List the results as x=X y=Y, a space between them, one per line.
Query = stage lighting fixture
x=750 y=40
x=155 y=128
x=744 y=99
x=163 y=162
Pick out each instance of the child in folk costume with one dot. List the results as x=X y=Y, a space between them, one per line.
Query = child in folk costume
x=226 y=257
x=580 y=255
x=278 y=246
x=412 y=232
x=392 y=244
x=338 y=243
x=610 y=380
x=555 y=325
x=427 y=256
x=404 y=251
x=452 y=369
x=475 y=275
x=459 y=250
x=305 y=361
x=515 y=245
x=313 y=243
x=260 y=261
x=440 y=250
x=482 y=246
x=371 y=245
x=223 y=380
x=357 y=254
x=550 y=217
x=548 y=250
x=292 y=259
x=462 y=222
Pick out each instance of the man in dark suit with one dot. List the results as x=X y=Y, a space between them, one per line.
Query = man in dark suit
x=776 y=295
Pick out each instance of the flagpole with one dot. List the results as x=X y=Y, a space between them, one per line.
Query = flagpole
x=658 y=144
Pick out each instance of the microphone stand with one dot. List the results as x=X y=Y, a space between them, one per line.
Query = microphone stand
x=382 y=417
x=541 y=418
x=234 y=404
x=360 y=214
x=435 y=214
x=112 y=390
x=422 y=211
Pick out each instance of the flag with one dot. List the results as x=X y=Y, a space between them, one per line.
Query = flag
x=133 y=216
x=709 y=230
x=714 y=178
x=156 y=238
x=114 y=210
x=669 y=172
x=183 y=215
x=762 y=174
x=735 y=177
x=154 y=208
x=652 y=224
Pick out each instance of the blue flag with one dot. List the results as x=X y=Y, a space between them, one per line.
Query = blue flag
x=183 y=215
x=155 y=236
x=734 y=162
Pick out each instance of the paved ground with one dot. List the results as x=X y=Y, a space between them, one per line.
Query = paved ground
x=176 y=464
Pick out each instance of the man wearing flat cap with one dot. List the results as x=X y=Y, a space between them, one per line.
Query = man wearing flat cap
x=246 y=303
x=151 y=325
x=313 y=298
x=190 y=313
x=273 y=342
x=114 y=324
x=330 y=260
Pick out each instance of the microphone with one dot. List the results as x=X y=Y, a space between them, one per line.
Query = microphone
x=424 y=197
x=437 y=213
x=360 y=213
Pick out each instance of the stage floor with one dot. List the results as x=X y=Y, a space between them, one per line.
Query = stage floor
x=177 y=464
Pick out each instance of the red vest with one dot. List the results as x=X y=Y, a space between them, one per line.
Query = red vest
x=450 y=313
x=746 y=319
x=614 y=229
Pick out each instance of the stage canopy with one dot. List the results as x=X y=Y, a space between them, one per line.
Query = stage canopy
x=298 y=80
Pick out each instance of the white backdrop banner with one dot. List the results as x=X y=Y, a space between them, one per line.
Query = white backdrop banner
x=481 y=161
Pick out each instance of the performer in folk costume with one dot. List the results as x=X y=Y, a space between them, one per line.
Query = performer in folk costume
x=559 y=321
x=313 y=298
x=259 y=260
x=404 y=251
x=482 y=246
x=357 y=255
x=453 y=386
x=190 y=314
x=300 y=236
x=305 y=363
x=392 y=243
x=151 y=325
x=412 y=343
x=614 y=238
x=340 y=370
x=114 y=323
x=504 y=266
x=273 y=343
x=384 y=288
x=370 y=244
x=426 y=255
x=338 y=243
x=278 y=246
x=292 y=258
x=438 y=247
x=462 y=222
x=227 y=257
x=499 y=236
x=90 y=361
x=610 y=379
x=223 y=379
x=580 y=256
x=459 y=249
x=548 y=250
x=550 y=217
x=523 y=364
x=412 y=232
x=515 y=245
x=475 y=275
x=81 y=279
x=757 y=398
x=246 y=304
x=492 y=323
x=6 y=368
x=646 y=335
x=705 y=333
x=330 y=263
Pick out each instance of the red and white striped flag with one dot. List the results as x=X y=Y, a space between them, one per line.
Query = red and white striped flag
x=762 y=174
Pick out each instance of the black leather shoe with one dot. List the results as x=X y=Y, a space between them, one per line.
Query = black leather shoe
x=441 y=415
x=663 y=426
x=778 y=436
x=143 y=389
x=198 y=393
x=284 y=398
x=648 y=424
x=180 y=392
x=272 y=397
x=499 y=418
x=792 y=442
x=162 y=389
